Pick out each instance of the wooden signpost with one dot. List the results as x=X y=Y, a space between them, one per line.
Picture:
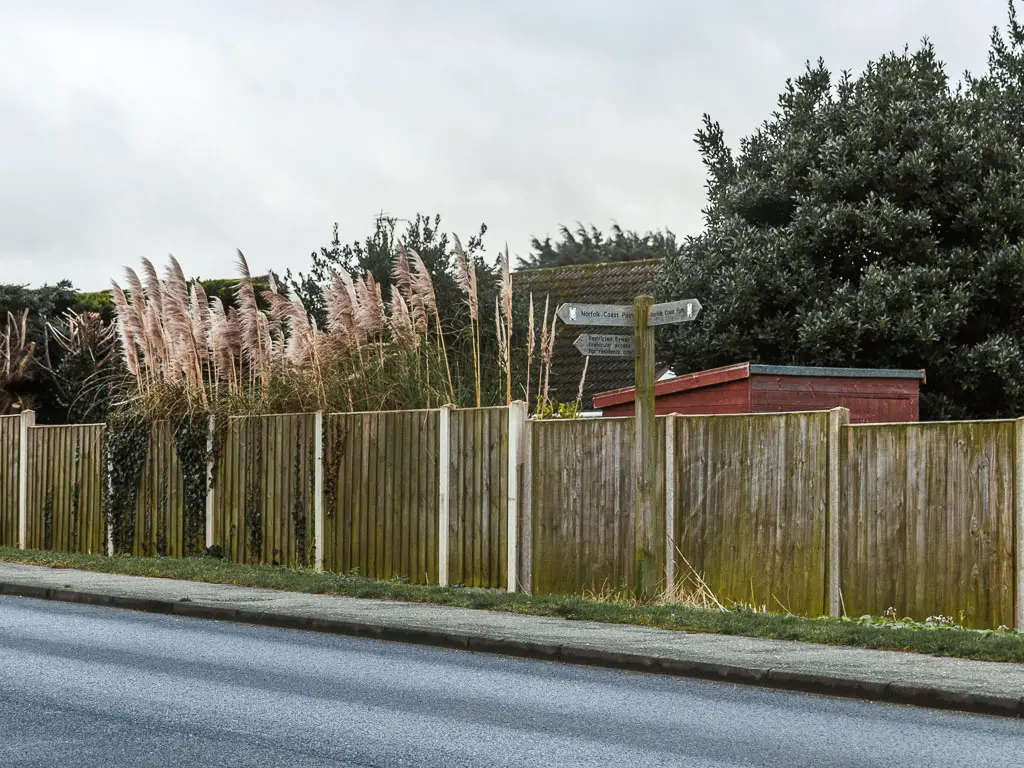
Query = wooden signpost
x=642 y=316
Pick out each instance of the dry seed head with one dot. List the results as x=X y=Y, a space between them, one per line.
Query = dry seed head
x=506 y=286
x=401 y=322
x=154 y=289
x=400 y=272
x=544 y=357
x=467 y=279
x=127 y=328
x=341 y=311
x=502 y=337
x=423 y=285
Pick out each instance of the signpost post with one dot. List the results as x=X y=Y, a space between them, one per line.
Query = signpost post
x=648 y=533
x=643 y=316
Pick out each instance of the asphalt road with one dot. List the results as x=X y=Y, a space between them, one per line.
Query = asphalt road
x=83 y=686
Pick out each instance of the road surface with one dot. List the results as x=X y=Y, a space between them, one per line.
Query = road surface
x=83 y=686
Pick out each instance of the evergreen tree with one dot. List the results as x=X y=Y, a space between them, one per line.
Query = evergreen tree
x=871 y=221
x=591 y=246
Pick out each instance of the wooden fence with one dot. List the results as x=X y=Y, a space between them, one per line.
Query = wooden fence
x=750 y=508
x=478 y=493
x=801 y=511
x=65 y=481
x=928 y=521
x=381 y=494
x=581 y=527
x=264 y=489
x=10 y=461
x=160 y=509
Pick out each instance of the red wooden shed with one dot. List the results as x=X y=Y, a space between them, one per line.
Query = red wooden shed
x=871 y=394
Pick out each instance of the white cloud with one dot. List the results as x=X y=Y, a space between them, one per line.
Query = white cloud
x=137 y=129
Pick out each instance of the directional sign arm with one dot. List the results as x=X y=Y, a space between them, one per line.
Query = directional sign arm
x=595 y=314
x=604 y=345
x=671 y=312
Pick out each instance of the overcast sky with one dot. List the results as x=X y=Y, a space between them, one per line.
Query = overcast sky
x=131 y=129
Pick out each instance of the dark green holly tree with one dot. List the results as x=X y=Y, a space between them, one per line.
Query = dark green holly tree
x=871 y=221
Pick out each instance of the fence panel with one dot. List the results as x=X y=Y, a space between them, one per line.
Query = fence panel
x=927 y=521
x=381 y=495
x=66 y=473
x=264 y=486
x=751 y=497
x=478 y=482
x=10 y=456
x=582 y=499
x=160 y=510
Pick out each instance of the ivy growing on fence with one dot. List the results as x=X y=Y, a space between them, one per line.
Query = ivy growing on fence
x=190 y=443
x=48 y=520
x=335 y=435
x=254 y=493
x=127 y=448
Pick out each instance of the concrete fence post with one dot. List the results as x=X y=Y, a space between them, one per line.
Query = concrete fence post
x=318 y=492
x=211 y=427
x=444 y=459
x=1018 y=526
x=28 y=419
x=670 y=506
x=838 y=421
x=516 y=420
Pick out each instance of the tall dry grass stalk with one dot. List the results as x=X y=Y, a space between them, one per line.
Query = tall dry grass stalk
x=503 y=343
x=689 y=590
x=504 y=320
x=468 y=286
x=583 y=379
x=544 y=357
x=531 y=342
x=547 y=351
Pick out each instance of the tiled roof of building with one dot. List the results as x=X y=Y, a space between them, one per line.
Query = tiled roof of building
x=612 y=283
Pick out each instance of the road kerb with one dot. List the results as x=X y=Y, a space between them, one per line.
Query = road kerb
x=818 y=683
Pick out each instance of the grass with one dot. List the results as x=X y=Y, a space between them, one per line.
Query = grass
x=884 y=633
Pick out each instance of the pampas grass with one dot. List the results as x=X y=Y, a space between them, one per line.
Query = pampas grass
x=263 y=352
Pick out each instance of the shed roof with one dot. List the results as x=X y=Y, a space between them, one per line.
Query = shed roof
x=609 y=283
x=737 y=371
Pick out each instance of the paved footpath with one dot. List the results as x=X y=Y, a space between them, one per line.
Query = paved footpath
x=975 y=686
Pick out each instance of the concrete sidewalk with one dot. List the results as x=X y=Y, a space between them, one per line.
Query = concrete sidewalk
x=974 y=686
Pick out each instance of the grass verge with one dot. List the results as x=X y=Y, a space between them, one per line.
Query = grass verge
x=878 y=634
